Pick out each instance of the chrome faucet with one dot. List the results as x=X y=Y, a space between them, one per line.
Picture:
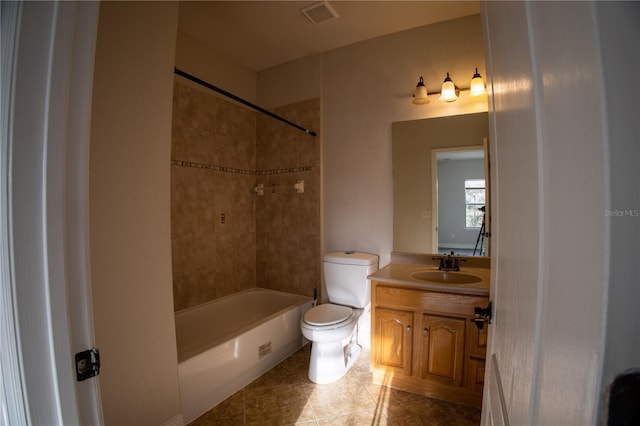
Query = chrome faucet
x=449 y=262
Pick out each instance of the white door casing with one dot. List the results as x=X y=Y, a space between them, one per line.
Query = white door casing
x=49 y=73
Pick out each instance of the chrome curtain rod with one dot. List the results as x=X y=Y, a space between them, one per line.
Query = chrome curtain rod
x=242 y=101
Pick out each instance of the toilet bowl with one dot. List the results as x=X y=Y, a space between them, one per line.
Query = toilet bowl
x=333 y=327
x=333 y=330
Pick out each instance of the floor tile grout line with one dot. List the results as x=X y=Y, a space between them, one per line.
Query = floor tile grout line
x=378 y=409
x=244 y=406
x=313 y=411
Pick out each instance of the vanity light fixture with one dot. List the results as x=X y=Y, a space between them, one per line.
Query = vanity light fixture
x=449 y=92
x=420 y=95
x=477 y=85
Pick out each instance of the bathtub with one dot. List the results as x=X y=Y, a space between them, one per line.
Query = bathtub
x=225 y=344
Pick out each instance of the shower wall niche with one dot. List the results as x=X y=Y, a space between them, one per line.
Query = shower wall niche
x=225 y=237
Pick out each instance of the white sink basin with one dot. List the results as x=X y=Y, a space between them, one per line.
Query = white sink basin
x=446 y=277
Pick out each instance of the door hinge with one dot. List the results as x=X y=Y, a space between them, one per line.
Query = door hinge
x=87 y=364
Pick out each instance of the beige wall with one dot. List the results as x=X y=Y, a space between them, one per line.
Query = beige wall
x=290 y=83
x=366 y=87
x=129 y=212
x=199 y=60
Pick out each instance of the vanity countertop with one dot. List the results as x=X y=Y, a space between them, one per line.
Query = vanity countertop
x=402 y=274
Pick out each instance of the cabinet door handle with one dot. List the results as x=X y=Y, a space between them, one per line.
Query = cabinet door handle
x=425 y=331
x=408 y=328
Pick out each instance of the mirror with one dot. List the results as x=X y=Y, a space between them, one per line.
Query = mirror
x=421 y=224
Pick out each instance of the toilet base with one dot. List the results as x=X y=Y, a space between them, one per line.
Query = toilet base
x=331 y=360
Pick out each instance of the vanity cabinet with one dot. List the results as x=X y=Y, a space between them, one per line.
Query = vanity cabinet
x=424 y=342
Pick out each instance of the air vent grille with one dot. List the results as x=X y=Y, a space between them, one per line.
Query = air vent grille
x=319 y=12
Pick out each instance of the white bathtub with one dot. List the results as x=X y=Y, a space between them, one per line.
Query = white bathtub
x=225 y=344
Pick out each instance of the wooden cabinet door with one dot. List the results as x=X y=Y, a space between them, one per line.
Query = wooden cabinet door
x=478 y=340
x=477 y=353
x=393 y=335
x=442 y=349
x=475 y=374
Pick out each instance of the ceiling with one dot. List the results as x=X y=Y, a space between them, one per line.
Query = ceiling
x=263 y=34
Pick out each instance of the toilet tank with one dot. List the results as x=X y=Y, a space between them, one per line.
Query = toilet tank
x=345 y=276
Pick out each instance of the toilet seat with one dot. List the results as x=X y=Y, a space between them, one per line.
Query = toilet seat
x=327 y=314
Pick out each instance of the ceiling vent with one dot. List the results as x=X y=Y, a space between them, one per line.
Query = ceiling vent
x=319 y=12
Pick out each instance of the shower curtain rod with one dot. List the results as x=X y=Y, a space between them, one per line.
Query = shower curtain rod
x=242 y=101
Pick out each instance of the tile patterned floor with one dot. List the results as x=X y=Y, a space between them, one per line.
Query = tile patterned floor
x=285 y=396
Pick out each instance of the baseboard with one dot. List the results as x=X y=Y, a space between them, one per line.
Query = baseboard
x=176 y=420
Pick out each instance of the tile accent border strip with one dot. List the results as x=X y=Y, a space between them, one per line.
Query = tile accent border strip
x=181 y=163
x=289 y=170
x=193 y=165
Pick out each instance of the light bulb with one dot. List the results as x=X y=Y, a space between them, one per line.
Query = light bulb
x=448 y=92
x=477 y=85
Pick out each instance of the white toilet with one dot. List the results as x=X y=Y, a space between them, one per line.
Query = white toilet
x=333 y=327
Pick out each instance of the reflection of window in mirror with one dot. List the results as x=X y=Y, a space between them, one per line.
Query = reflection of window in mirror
x=474 y=200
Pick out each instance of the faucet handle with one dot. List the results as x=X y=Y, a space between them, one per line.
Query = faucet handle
x=441 y=259
x=456 y=265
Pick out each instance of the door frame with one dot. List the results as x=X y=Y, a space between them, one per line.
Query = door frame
x=434 y=185
x=46 y=293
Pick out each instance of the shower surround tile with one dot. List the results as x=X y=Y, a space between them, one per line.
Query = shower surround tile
x=212 y=202
x=281 y=146
x=220 y=151
x=235 y=233
x=210 y=130
x=288 y=240
x=288 y=223
x=192 y=242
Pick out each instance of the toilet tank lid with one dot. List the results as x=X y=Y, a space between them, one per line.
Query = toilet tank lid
x=351 y=258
